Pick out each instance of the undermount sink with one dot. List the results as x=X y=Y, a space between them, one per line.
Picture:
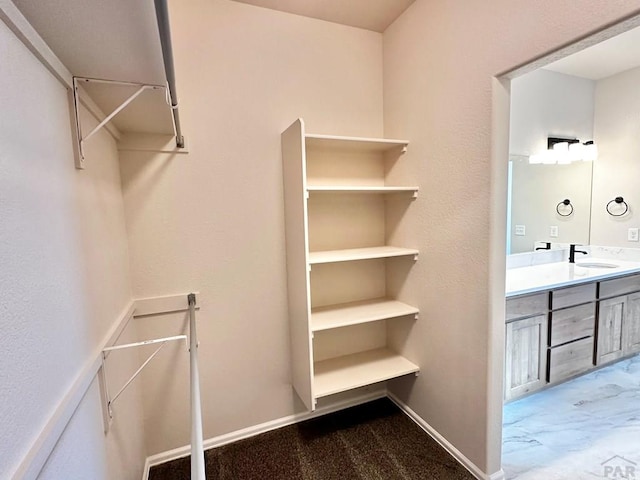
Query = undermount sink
x=596 y=265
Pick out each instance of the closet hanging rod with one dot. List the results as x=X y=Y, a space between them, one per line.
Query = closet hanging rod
x=162 y=16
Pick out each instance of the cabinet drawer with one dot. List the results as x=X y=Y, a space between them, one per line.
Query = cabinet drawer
x=619 y=286
x=570 y=359
x=527 y=305
x=572 y=323
x=566 y=297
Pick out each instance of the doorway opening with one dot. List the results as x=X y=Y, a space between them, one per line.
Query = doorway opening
x=572 y=370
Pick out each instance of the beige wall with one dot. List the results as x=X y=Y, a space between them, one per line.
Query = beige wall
x=617 y=170
x=63 y=271
x=439 y=60
x=213 y=221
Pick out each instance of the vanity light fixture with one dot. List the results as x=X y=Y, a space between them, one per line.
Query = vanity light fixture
x=563 y=151
x=590 y=151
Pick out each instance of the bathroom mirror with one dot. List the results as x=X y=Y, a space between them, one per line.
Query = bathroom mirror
x=590 y=95
x=551 y=201
x=539 y=210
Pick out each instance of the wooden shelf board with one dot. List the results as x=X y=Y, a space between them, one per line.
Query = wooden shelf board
x=353 y=313
x=358 y=370
x=331 y=256
x=359 y=189
x=354 y=143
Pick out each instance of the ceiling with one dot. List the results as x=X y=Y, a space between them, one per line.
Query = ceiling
x=612 y=56
x=118 y=40
x=374 y=15
x=112 y=40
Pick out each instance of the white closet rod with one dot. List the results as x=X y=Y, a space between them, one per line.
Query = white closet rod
x=162 y=17
x=197 y=447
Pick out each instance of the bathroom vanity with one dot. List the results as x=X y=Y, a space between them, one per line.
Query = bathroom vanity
x=563 y=320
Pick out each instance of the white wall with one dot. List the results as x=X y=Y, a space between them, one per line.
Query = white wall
x=213 y=221
x=617 y=170
x=547 y=104
x=63 y=268
x=439 y=61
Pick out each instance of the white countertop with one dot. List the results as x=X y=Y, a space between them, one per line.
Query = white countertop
x=535 y=278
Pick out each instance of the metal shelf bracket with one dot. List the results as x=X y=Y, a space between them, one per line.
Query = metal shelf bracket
x=76 y=107
x=106 y=351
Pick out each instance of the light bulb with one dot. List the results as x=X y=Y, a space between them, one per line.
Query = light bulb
x=561 y=152
x=590 y=152
x=576 y=152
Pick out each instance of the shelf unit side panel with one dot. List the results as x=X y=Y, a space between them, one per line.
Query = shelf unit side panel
x=297 y=247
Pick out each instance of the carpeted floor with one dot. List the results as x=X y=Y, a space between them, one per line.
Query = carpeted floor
x=374 y=441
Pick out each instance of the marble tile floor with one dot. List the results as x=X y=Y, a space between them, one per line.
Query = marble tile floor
x=587 y=428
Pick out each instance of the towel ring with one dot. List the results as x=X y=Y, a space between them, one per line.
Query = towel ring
x=617 y=200
x=567 y=203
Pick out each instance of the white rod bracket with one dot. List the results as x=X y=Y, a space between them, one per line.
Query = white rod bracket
x=76 y=106
x=105 y=352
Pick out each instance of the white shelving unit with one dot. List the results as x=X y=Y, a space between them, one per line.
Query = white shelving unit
x=353 y=254
x=352 y=189
x=342 y=308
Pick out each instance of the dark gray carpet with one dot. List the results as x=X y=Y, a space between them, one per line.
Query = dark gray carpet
x=374 y=441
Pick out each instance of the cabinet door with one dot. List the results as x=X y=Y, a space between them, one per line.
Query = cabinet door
x=610 y=329
x=526 y=359
x=632 y=325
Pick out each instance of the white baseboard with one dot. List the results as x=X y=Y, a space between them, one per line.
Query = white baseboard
x=453 y=451
x=248 y=432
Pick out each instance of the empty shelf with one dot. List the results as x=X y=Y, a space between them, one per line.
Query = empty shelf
x=353 y=313
x=352 y=371
x=360 y=189
x=353 y=143
x=331 y=256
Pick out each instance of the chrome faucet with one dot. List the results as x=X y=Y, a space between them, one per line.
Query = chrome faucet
x=573 y=251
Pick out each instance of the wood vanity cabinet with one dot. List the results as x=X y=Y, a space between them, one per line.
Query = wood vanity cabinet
x=555 y=335
x=618 y=319
x=571 y=331
x=526 y=344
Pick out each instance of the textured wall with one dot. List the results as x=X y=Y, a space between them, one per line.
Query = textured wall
x=213 y=221
x=63 y=263
x=617 y=170
x=439 y=61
